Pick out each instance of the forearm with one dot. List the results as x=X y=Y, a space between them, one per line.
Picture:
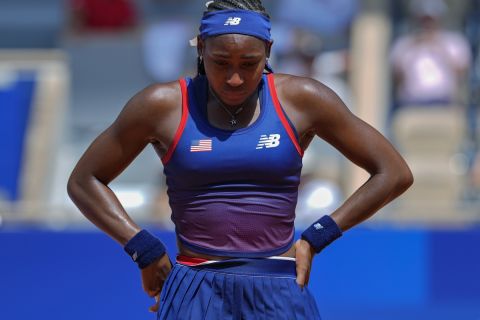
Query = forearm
x=378 y=191
x=99 y=204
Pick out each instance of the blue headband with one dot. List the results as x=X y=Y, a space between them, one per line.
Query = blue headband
x=235 y=21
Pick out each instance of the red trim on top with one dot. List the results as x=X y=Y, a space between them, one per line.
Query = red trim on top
x=181 y=126
x=281 y=114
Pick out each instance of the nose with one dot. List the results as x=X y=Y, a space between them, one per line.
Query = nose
x=235 y=80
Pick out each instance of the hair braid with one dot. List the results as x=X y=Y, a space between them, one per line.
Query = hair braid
x=253 y=5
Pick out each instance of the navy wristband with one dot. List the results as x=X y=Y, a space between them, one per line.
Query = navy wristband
x=321 y=233
x=144 y=248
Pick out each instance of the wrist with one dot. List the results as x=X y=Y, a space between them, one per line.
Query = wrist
x=321 y=233
x=144 y=248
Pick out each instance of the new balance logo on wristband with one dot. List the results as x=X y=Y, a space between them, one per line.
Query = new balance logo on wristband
x=318 y=226
x=232 y=21
x=321 y=233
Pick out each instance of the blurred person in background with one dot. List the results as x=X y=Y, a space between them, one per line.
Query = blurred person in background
x=170 y=21
x=231 y=141
x=105 y=15
x=307 y=28
x=429 y=63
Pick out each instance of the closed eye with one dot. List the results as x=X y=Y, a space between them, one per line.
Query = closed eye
x=220 y=62
x=250 y=64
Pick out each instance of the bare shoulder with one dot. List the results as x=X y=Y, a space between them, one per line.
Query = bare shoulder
x=155 y=100
x=152 y=110
x=309 y=101
x=303 y=89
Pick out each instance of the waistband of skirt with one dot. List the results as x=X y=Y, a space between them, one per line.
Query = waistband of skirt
x=271 y=266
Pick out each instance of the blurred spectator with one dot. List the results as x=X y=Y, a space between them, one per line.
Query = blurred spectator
x=295 y=50
x=430 y=63
x=103 y=14
x=305 y=28
x=326 y=17
x=168 y=27
x=166 y=49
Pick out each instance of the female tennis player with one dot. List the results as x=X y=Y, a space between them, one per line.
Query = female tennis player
x=231 y=142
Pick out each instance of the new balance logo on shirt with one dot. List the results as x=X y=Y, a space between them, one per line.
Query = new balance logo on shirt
x=270 y=141
x=232 y=21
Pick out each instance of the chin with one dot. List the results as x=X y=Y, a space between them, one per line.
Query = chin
x=234 y=98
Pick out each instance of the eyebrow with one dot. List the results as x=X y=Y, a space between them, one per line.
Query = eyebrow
x=243 y=56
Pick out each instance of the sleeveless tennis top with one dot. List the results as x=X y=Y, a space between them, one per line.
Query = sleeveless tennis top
x=233 y=193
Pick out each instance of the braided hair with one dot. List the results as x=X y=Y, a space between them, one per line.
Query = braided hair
x=217 y=5
x=252 y=5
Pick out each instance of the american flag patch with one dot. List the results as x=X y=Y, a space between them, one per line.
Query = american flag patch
x=201 y=145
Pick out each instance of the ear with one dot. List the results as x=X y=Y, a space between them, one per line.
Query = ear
x=200 y=46
x=268 y=47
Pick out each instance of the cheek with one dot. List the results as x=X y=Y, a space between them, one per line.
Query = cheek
x=256 y=76
x=253 y=74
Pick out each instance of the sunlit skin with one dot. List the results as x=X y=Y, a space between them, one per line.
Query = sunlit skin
x=234 y=66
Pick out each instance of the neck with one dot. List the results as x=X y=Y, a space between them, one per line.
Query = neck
x=231 y=116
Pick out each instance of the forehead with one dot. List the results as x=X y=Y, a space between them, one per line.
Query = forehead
x=235 y=43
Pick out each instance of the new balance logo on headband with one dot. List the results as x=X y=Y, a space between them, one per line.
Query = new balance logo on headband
x=232 y=21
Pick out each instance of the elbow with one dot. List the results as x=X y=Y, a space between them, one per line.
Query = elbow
x=74 y=186
x=404 y=179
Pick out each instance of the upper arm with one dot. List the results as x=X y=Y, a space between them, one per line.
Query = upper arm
x=326 y=115
x=146 y=118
